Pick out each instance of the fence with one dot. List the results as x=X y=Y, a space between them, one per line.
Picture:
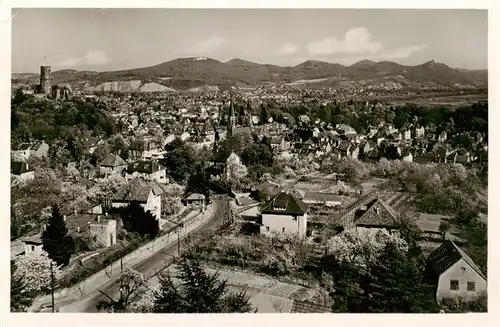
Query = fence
x=95 y=281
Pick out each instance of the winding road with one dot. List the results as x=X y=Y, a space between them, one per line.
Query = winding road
x=148 y=266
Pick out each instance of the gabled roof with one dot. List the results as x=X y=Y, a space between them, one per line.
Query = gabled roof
x=34 y=239
x=285 y=203
x=379 y=213
x=195 y=196
x=113 y=160
x=23 y=146
x=321 y=196
x=446 y=256
x=137 y=190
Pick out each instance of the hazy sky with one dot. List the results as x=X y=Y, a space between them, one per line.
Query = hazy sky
x=110 y=39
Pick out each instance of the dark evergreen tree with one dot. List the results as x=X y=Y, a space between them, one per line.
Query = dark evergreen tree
x=56 y=242
x=136 y=219
x=197 y=292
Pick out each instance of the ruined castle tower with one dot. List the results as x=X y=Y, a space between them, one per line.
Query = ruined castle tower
x=45 y=80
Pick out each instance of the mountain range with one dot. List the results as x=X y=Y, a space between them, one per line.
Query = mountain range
x=187 y=73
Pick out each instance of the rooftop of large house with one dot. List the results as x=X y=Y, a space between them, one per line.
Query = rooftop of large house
x=137 y=190
x=285 y=203
x=446 y=256
x=113 y=160
x=378 y=213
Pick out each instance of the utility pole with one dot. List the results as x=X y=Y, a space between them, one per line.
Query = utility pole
x=52 y=286
x=179 y=240
x=121 y=264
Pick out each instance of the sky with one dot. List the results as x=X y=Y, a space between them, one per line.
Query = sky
x=114 y=39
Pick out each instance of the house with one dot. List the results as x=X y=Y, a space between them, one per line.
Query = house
x=147 y=193
x=25 y=151
x=443 y=136
x=21 y=171
x=196 y=200
x=149 y=170
x=454 y=273
x=33 y=245
x=278 y=143
x=419 y=131
x=284 y=214
x=98 y=227
x=112 y=164
x=304 y=119
x=266 y=191
x=406 y=155
x=377 y=214
x=462 y=156
x=348 y=150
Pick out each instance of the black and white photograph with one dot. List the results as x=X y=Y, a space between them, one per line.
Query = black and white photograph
x=259 y=160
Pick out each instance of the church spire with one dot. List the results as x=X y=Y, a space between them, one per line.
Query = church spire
x=232 y=120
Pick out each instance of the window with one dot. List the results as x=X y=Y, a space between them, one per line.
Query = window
x=454 y=285
x=32 y=248
x=471 y=286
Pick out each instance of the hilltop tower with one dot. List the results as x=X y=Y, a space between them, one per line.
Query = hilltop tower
x=231 y=124
x=45 y=80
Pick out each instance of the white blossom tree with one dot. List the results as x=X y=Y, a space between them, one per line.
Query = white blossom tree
x=361 y=247
x=235 y=170
x=35 y=271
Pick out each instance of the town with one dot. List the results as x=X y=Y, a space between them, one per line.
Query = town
x=237 y=161
x=303 y=202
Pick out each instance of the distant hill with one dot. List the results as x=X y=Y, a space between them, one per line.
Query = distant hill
x=196 y=72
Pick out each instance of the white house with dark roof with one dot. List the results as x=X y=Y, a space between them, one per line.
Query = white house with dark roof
x=284 y=214
x=24 y=151
x=454 y=273
x=33 y=245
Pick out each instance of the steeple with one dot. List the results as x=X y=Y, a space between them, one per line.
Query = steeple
x=232 y=120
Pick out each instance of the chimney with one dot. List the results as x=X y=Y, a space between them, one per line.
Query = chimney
x=377 y=210
x=64 y=217
x=75 y=212
x=98 y=219
x=78 y=229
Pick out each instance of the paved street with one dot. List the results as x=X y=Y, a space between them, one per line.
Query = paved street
x=147 y=267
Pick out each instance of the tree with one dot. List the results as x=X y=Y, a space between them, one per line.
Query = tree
x=34 y=270
x=193 y=290
x=397 y=284
x=137 y=219
x=56 y=242
x=132 y=286
x=444 y=226
x=20 y=298
x=362 y=248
